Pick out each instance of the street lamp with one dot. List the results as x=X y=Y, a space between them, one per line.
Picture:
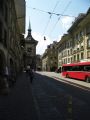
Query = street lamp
x=44 y=38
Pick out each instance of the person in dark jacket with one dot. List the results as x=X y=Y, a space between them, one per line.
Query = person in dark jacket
x=29 y=71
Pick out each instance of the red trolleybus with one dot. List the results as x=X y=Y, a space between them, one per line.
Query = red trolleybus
x=77 y=71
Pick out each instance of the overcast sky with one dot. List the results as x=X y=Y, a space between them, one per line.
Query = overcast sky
x=52 y=18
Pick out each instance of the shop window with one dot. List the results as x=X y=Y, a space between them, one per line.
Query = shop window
x=71 y=59
x=6 y=13
x=82 y=47
x=77 y=49
x=88 y=42
x=82 y=56
x=68 y=52
x=0 y=31
x=88 y=54
x=1 y=6
x=68 y=60
x=77 y=57
x=74 y=57
x=5 y=38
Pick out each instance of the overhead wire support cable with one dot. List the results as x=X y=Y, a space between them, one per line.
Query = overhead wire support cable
x=37 y=9
x=63 y=15
x=50 y=13
x=60 y=16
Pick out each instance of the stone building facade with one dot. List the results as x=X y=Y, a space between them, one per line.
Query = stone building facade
x=75 y=46
x=65 y=50
x=49 y=58
x=11 y=22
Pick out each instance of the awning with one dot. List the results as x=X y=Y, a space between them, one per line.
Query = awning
x=20 y=6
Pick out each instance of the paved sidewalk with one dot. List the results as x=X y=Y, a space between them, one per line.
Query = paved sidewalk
x=60 y=77
x=18 y=104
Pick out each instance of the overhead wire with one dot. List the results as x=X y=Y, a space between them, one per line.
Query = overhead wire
x=51 y=13
x=60 y=16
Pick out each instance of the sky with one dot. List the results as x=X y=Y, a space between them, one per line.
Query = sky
x=52 y=19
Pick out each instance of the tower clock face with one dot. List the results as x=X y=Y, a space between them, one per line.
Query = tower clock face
x=29 y=49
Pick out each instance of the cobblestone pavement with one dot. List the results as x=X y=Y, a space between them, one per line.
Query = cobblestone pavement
x=45 y=99
x=55 y=100
x=18 y=104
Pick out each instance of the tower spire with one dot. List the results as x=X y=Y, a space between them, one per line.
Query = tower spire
x=29 y=29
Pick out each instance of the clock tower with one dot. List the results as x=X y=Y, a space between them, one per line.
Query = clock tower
x=30 y=50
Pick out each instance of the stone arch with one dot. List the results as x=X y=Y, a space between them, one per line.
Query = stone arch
x=2 y=62
x=11 y=66
x=11 y=62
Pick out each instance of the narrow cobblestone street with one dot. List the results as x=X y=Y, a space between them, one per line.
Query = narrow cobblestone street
x=45 y=99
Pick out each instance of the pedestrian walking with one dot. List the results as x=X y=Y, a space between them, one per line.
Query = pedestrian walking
x=6 y=76
x=30 y=73
x=4 y=85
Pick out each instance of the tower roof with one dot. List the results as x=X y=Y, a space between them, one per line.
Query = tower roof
x=29 y=28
